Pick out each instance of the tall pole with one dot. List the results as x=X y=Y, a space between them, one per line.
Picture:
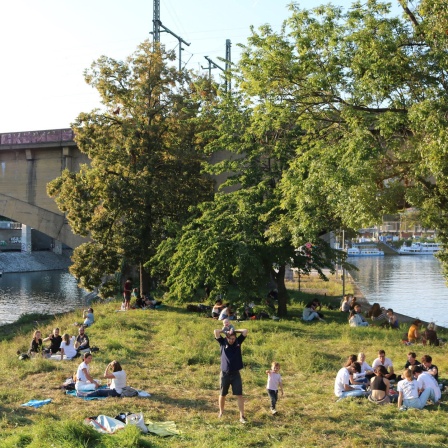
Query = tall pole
x=228 y=66
x=156 y=22
x=156 y=30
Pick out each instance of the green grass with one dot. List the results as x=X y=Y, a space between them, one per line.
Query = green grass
x=171 y=353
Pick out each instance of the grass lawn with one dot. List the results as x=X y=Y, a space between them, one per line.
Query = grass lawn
x=172 y=354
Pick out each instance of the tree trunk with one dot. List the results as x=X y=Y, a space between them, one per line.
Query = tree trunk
x=144 y=280
x=282 y=292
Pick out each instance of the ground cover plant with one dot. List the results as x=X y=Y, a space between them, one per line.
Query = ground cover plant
x=171 y=353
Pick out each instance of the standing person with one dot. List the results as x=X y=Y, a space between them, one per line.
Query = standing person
x=386 y=362
x=231 y=364
x=82 y=340
x=36 y=344
x=408 y=396
x=127 y=291
x=84 y=381
x=273 y=385
x=342 y=387
x=55 y=341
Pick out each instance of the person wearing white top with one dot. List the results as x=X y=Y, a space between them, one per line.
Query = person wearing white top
x=386 y=362
x=68 y=347
x=342 y=387
x=426 y=381
x=274 y=384
x=117 y=375
x=408 y=393
x=84 y=381
x=366 y=369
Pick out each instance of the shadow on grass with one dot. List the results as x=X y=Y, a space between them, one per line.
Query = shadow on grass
x=182 y=402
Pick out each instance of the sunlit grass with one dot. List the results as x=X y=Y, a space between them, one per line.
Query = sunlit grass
x=172 y=354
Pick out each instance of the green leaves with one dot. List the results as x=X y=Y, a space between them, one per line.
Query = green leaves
x=145 y=168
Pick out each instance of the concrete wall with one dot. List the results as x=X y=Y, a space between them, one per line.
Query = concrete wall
x=28 y=161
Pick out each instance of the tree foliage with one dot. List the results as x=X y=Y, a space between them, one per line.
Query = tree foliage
x=369 y=92
x=145 y=168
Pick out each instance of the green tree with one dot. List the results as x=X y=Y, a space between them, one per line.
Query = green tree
x=242 y=232
x=228 y=246
x=145 y=168
x=368 y=90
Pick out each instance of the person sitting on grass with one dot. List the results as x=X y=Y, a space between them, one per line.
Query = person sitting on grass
x=355 y=320
x=82 y=340
x=68 y=347
x=227 y=313
x=36 y=344
x=116 y=377
x=89 y=319
x=310 y=313
x=84 y=381
x=386 y=362
x=377 y=314
x=55 y=342
x=392 y=319
x=414 y=332
x=217 y=308
x=430 y=334
x=412 y=361
x=426 y=381
x=366 y=370
x=429 y=367
x=345 y=304
x=358 y=310
x=379 y=386
x=408 y=393
x=343 y=388
x=150 y=302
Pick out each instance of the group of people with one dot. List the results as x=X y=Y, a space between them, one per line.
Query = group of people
x=417 y=384
x=87 y=386
x=429 y=336
x=378 y=316
x=66 y=345
x=144 y=301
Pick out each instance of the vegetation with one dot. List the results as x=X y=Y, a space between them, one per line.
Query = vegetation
x=145 y=167
x=171 y=354
x=336 y=120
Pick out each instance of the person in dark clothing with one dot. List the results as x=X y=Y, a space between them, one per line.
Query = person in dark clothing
x=55 y=341
x=36 y=344
x=82 y=340
x=231 y=364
